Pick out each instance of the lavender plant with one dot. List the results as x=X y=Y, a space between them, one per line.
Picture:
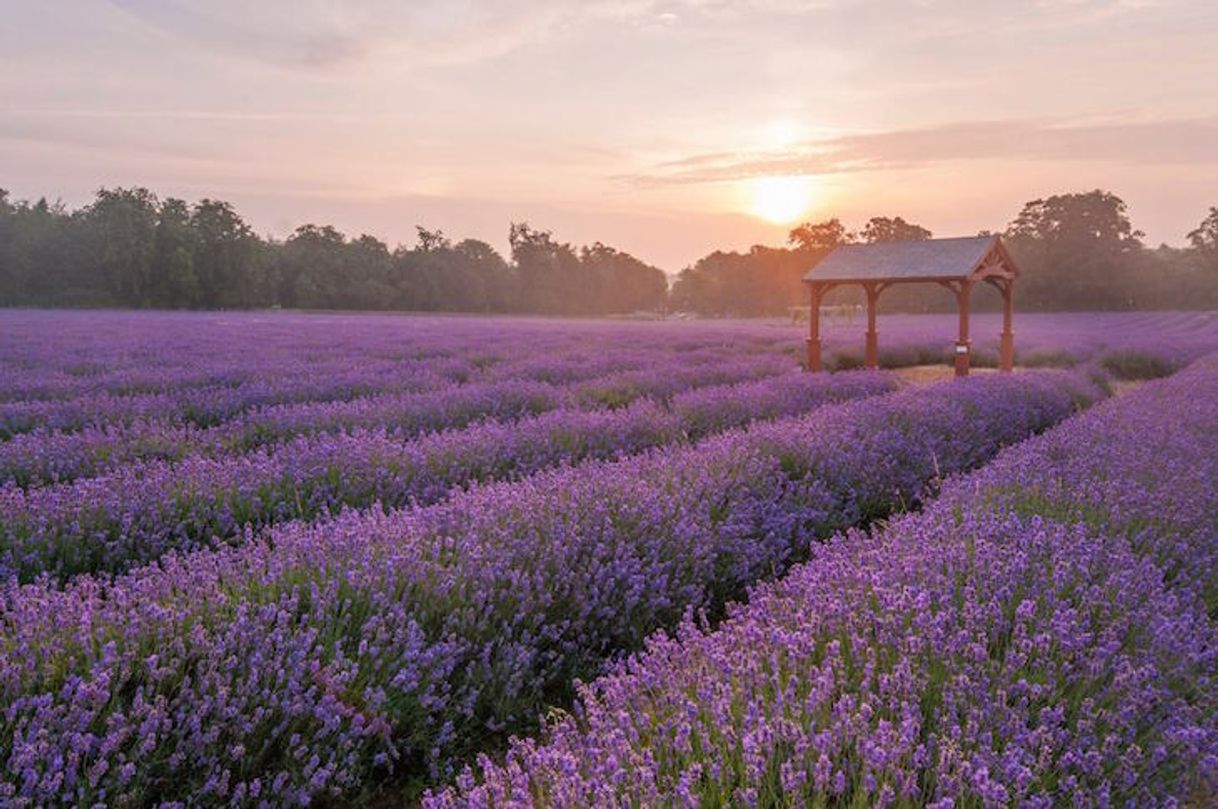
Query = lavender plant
x=137 y=512
x=325 y=657
x=1038 y=637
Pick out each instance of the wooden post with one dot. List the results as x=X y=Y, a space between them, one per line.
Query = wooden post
x=1006 y=357
x=815 y=293
x=962 y=344
x=873 y=342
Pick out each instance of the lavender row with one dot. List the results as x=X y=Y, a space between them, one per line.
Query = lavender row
x=215 y=405
x=395 y=645
x=1145 y=471
x=1039 y=637
x=78 y=369
x=290 y=379
x=64 y=354
x=136 y=513
x=63 y=455
x=69 y=354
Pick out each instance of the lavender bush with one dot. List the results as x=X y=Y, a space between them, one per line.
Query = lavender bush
x=107 y=433
x=1038 y=637
x=138 y=512
x=304 y=664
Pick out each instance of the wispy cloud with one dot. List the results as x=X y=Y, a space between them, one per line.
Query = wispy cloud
x=313 y=35
x=309 y=37
x=1131 y=142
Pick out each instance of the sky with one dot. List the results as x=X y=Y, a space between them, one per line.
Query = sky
x=665 y=128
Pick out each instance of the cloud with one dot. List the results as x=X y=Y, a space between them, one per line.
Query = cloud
x=1182 y=141
x=305 y=38
x=311 y=34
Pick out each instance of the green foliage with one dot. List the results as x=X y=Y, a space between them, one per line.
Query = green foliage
x=1076 y=251
x=764 y=280
x=555 y=277
x=1047 y=358
x=1204 y=242
x=130 y=249
x=885 y=229
x=821 y=236
x=127 y=248
x=1132 y=364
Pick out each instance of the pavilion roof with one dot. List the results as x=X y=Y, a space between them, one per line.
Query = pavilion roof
x=925 y=260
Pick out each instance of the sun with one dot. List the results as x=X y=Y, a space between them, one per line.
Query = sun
x=781 y=200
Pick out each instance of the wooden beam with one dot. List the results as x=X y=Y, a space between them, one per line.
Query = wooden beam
x=815 y=294
x=873 y=347
x=963 y=347
x=1006 y=354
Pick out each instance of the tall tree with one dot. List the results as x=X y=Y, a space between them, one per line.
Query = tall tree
x=549 y=272
x=10 y=283
x=431 y=240
x=311 y=267
x=765 y=280
x=1094 y=220
x=619 y=282
x=1077 y=250
x=123 y=224
x=47 y=256
x=1204 y=241
x=820 y=237
x=895 y=229
x=174 y=283
x=227 y=257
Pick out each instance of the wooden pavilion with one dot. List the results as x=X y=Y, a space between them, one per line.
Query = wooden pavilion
x=956 y=264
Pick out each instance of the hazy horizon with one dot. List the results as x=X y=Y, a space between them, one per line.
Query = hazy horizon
x=668 y=129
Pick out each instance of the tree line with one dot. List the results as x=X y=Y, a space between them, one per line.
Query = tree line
x=1075 y=251
x=128 y=248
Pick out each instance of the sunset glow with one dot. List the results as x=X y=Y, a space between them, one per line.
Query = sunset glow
x=666 y=129
x=781 y=200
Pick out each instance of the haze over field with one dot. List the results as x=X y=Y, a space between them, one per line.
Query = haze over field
x=669 y=129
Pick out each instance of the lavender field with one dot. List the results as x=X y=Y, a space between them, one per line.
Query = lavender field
x=275 y=559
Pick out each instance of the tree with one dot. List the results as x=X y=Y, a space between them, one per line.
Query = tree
x=467 y=276
x=174 y=284
x=1095 y=220
x=431 y=240
x=822 y=236
x=367 y=273
x=497 y=283
x=311 y=267
x=549 y=272
x=1077 y=251
x=123 y=223
x=1204 y=241
x=226 y=257
x=884 y=229
x=127 y=248
x=620 y=282
x=765 y=280
x=10 y=283
x=47 y=257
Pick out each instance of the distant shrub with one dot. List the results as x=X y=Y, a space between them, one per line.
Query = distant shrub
x=934 y=354
x=846 y=360
x=984 y=358
x=1129 y=364
x=898 y=357
x=1052 y=358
